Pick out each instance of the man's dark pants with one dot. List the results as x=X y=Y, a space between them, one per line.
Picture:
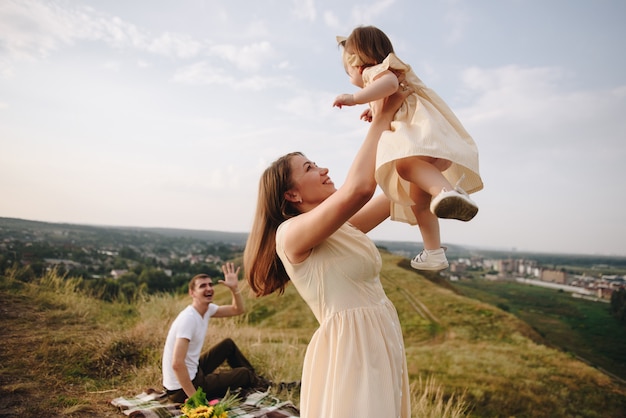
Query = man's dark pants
x=216 y=383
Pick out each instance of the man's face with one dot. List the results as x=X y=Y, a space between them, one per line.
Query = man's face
x=203 y=290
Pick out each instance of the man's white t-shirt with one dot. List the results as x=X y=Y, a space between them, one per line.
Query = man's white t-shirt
x=189 y=324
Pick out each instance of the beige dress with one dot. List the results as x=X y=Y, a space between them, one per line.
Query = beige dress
x=423 y=126
x=355 y=365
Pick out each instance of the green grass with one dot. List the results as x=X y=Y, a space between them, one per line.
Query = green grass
x=582 y=327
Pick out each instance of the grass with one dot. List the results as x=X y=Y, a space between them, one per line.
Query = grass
x=581 y=327
x=65 y=354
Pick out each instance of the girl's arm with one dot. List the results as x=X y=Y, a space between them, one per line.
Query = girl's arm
x=384 y=85
x=309 y=229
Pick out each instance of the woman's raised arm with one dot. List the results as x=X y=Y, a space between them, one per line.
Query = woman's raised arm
x=312 y=227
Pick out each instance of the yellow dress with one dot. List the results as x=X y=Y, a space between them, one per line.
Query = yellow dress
x=423 y=126
x=355 y=364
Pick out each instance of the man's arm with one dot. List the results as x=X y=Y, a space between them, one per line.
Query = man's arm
x=181 y=346
x=236 y=307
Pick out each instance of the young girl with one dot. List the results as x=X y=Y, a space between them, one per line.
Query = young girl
x=426 y=151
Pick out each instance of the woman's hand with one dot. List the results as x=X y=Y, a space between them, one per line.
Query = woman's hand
x=387 y=107
x=366 y=115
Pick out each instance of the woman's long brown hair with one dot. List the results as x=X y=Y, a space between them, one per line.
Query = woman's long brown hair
x=264 y=271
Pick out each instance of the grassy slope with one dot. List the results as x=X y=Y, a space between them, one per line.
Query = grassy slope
x=495 y=357
x=81 y=352
x=583 y=327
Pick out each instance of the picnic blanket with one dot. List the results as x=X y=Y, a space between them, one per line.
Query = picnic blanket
x=154 y=404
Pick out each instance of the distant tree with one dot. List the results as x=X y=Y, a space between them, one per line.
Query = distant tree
x=156 y=280
x=129 y=253
x=129 y=292
x=618 y=305
x=181 y=282
x=203 y=268
x=120 y=263
x=130 y=277
x=104 y=289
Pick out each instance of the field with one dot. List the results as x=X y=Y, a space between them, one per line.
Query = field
x=581 y=327
x=65 y=354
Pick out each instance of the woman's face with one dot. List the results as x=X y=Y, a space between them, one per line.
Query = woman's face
x=311 y=183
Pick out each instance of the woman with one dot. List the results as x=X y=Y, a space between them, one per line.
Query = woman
x=307 y=231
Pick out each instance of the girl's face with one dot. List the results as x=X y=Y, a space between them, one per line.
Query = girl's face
x=354 y=72
x=311 y=183
x=356 y=77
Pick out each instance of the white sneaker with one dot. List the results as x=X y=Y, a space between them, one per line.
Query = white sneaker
x=430 y=260
x=454 y=204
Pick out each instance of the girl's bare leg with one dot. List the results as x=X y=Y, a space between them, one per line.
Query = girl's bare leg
x=433 y=257
x=429 y=181
x=428 y=223
x=424 y=172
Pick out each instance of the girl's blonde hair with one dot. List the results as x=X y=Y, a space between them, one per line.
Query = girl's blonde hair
x=263 y=270
x=369 y=44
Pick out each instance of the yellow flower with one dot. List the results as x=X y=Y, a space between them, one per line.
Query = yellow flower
x=217 y=409
x=201 y=412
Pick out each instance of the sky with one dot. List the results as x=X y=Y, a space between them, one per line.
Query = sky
x=154 y=113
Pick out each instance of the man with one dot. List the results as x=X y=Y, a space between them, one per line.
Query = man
x=184 y=367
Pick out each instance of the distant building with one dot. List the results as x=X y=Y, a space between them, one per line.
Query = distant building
x=458 y=267
x=117 y=273
x=553 y=276
x=56 y=262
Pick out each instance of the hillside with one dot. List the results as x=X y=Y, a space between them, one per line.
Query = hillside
x=64 y=354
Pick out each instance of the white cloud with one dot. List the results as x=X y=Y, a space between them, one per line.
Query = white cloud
x=114 y=66
x=202 y=73
x=366 y=14
x=331 y=19
x=283 y=65
x=205 y=73
x=177 y=45
x=527 y=108
x=32 y=29
x=458 y=20
x=303 y=106
x=248 y=57
x=256 y=29
x=304 y=9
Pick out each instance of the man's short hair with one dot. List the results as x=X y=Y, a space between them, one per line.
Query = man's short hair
x=194 y=279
